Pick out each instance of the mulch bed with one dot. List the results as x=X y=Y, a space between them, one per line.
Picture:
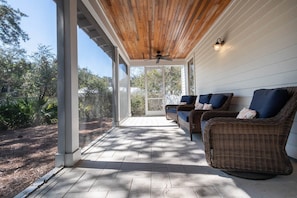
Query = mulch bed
x=27 y=154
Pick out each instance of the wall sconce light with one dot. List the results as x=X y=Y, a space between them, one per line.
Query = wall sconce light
x=218 y=44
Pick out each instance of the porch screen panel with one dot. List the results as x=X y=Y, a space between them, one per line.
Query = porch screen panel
x=95 y=78
x=123 y=89
x=137 y=91
x=173 y=84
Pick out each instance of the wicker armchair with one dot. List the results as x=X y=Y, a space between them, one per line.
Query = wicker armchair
x=192 y=122
x=250 y=148
x=171 y=109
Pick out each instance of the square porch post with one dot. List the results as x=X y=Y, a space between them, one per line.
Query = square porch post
x=68 y=120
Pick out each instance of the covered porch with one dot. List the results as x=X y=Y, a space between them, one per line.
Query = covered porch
x=255 y=54
x=152 y=157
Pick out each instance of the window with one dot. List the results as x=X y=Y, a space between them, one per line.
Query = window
x=152 y=87
x=191 y=77
x=173 y=84
x=137 y=91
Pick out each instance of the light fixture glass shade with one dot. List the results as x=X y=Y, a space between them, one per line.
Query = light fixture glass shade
x=217 y=46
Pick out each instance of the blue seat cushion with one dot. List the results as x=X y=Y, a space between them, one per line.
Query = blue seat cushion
x=188 y=99
x=171 y=110
x=204 y=98
x=217 y=100
x=268 y=102
x=184 y=115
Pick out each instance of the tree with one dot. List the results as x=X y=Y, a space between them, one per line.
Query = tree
x=10 y=30
x=13 y=66
x=95 y=97
x=41 y=80
x=173 y=80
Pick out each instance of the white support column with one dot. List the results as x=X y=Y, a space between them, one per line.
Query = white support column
x=129 y=92
x=68 y=121
x=115 y=77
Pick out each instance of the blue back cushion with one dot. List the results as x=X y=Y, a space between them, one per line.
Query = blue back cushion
x=204 y=98
x=217 y=100
x=188 y=99
x=268 y=102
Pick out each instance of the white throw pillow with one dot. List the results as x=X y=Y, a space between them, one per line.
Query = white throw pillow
x=198 y=106
x=183 y=103
x=246 y=113
x=207 y=107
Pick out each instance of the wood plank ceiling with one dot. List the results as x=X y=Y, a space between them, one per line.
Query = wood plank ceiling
x=173 y=27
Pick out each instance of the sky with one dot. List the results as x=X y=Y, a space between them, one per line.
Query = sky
x=40 y=25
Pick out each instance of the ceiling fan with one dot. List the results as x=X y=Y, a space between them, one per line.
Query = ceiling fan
x=159 y=56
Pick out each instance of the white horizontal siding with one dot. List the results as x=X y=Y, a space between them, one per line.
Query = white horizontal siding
x=260 y=51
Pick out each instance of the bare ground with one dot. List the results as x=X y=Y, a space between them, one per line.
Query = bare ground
x=27 y=154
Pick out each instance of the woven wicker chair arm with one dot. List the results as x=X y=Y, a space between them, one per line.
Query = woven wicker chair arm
x=242 y=126
x=195 y=116
x=170 y=106
x=212 y=114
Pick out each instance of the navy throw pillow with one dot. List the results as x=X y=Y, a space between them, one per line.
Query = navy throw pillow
x=268 y=102
x=188 y=99
x=204 y=98
x=191 y=99
x=217 y=100
x=184 y=99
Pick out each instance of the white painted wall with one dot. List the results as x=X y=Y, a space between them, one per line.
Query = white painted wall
x=260 y=51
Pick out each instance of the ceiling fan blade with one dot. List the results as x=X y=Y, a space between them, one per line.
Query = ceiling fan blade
x=166 y=58
x=159 y=56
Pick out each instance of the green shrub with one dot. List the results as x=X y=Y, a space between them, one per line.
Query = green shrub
x=49 y=112
x=3 y=123
x=137 y=105
x=17 y=114
x=20 y=113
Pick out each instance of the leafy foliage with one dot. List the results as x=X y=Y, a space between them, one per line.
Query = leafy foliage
x=22 y=79
x=10 y=30
x=137 y=105
x=95 y=97
x=50 y=112
x=16 y=114
x=173 y=76
x=13 y=66
x=44 y=73
x=24 y=112
x=28 y=85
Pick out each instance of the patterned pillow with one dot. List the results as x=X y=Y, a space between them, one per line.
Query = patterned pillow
x=207 y=107
x=246 y=114
x=198 y=106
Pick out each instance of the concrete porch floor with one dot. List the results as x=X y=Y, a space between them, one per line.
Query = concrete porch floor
x=152 y=157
